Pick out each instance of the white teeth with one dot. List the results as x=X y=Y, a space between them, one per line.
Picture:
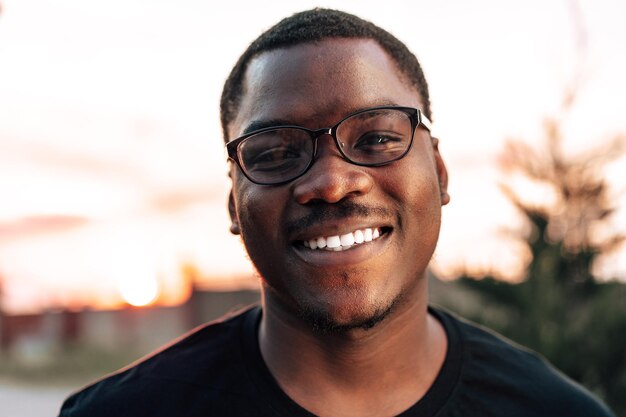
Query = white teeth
x=358 y=236
x=343 y=242
x=347 y=239
x=333 y=242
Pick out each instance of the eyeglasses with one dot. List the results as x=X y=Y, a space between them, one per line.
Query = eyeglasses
x=371 y=137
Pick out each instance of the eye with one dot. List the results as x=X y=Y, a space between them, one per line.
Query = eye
x=275 y=158
x=378 y=142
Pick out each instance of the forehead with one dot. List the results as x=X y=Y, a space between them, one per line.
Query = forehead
x=315 y=84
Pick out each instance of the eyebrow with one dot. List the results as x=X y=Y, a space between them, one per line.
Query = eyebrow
x=262 y=124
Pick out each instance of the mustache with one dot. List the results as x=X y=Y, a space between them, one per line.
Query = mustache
x=335 y=212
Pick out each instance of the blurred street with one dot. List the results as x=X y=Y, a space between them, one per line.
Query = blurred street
x=31 y=401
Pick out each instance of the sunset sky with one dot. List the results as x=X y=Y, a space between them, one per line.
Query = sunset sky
x=112 y=169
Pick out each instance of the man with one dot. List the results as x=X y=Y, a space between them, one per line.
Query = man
x=337 y=188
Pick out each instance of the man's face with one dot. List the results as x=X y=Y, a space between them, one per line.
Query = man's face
x=315 y=86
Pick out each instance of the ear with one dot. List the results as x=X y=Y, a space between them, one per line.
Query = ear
x=234 y=221
x=442 y=173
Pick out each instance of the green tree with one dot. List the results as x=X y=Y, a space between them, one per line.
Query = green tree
x=561 y=309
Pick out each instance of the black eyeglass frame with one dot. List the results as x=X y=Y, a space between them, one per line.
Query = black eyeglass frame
x=415 y=115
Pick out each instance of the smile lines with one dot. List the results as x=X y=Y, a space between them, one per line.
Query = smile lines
x=338 y=243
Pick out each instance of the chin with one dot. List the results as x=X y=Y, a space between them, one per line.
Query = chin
x=340 y=302
x=347 y=318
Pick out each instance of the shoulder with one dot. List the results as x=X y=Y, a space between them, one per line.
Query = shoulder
x=204 y=362
x=500 y=374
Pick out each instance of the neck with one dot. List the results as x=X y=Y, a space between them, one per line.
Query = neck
x=384 y=369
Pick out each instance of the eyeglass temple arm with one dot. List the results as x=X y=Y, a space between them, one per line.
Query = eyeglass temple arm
x=424 y=121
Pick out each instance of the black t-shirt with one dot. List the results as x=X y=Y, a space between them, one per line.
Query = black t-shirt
x=217 y=370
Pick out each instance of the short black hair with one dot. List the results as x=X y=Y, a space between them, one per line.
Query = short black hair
x=312 y=26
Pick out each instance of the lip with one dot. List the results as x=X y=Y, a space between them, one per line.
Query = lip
x=337 y=229
x=354 y=255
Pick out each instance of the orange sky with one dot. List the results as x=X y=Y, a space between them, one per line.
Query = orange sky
x=111 y=164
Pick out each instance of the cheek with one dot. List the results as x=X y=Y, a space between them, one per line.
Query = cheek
x=414 y=185
x=260 y=217
x=243 y=201
x=415 y=188
x=258 y=210
x=249 y=205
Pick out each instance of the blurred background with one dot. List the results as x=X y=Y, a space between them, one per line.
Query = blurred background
x=113 y=224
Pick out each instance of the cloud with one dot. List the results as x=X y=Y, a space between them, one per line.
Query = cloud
x=36 y=225
x=174 y=201
x=55 y=156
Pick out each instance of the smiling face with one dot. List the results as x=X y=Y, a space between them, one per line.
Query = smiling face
x=393 y=211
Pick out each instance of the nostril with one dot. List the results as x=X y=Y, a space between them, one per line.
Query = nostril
x=331 y=179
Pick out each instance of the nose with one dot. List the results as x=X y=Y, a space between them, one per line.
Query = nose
x=331 y=178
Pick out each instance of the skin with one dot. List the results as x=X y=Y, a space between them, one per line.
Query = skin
x=351 y=370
